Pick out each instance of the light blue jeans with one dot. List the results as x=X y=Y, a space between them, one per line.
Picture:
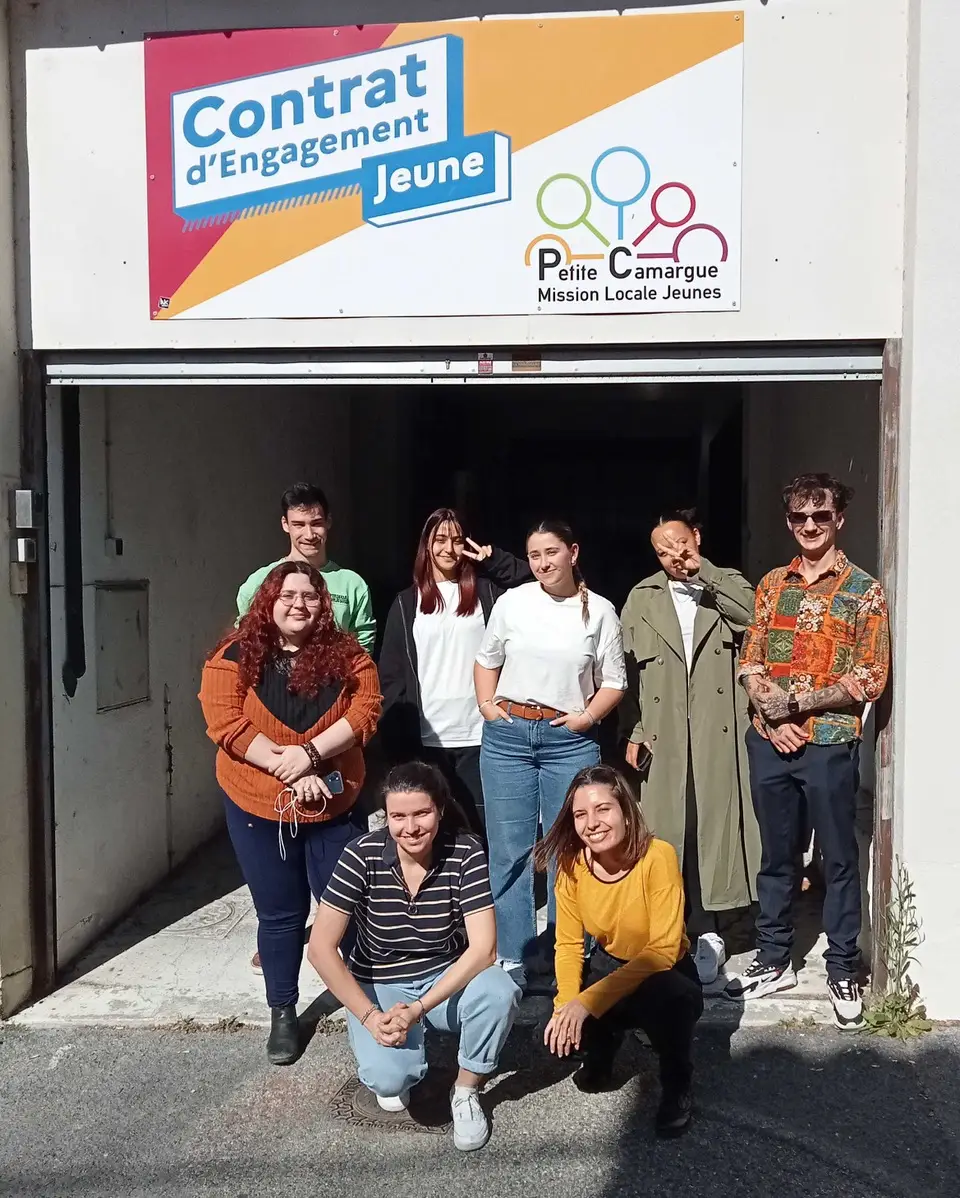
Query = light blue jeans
x=526 y=768
x=483 y=1013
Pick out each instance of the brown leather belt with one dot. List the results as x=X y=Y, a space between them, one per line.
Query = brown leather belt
x=529 y=711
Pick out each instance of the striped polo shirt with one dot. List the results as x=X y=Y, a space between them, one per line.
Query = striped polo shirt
x=401 y=937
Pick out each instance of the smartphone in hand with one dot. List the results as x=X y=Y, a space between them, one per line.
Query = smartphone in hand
x=334 y=782
x=644 y=758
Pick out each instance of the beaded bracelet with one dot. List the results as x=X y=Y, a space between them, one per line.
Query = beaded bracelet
x=368 y=1014
x=311 y=750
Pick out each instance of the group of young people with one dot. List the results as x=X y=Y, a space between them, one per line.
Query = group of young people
x=494 y=675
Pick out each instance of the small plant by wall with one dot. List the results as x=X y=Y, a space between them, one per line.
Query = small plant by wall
x=899 y=1012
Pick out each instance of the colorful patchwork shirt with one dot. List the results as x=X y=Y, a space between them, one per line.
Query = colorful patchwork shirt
x=807 y=636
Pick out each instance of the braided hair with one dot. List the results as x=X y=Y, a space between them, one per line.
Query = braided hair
x=563 y=532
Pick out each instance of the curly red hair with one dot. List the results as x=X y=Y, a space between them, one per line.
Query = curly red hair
x=325 y=656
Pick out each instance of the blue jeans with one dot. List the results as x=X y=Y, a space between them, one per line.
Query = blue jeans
x=281 y=889
x=526 y=767
x=482 y=1013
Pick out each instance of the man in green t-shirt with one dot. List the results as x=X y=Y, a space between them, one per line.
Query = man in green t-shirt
x=306 y=521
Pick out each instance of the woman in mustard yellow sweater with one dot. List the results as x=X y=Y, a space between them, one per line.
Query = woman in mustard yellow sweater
x=622 y=887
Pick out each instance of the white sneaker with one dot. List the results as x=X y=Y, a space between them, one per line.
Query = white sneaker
x=847 y=999
x=470 y=1127
x=758 y=980
x=394 y=1105
x=516 y=971
x=710 y=955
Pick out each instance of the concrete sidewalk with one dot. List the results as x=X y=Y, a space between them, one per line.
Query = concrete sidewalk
x=103 y=1113
x=184 y=954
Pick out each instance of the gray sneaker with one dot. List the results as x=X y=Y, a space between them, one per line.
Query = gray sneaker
x=470 y=1127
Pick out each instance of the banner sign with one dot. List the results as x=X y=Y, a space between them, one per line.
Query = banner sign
x=463 y=168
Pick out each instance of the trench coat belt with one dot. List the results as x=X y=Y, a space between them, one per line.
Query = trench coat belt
x=529 y=711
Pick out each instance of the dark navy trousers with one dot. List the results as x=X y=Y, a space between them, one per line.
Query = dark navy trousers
x=820 y=781
x=281 y=888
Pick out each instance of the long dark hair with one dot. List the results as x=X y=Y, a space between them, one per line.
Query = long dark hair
x=414 y=777
x=563 y=532
x=430 y=598
x=325 y=656
x=563 y=845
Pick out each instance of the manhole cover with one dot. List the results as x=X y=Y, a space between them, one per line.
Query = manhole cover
x=429 y=1111
x=215 y=921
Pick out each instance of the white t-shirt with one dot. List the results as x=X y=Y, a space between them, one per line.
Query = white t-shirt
x=549 y=656
x=686 y=600
x=447 y=646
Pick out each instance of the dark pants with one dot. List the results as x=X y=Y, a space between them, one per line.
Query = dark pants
x=698 y=920
x=461 y=768
x=666 y=1006
x=825 y=779
x=281 y=889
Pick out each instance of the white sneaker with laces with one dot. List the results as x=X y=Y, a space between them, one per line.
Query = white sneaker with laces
x=396 y=1104
x=470 y=1127
x=709 y=957
x=758 y=980
x=847 y=999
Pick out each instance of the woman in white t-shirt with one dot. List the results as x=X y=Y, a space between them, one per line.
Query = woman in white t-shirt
x=430 y=642
x=549 y=670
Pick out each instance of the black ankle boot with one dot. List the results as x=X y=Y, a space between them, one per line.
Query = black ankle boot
x=597 y=1056
x=283 y=1047
x=595 y=1075
x=674 y=1113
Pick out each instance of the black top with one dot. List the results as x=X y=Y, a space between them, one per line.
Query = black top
x=402 y=938
x=296 y=712
x=399 y=725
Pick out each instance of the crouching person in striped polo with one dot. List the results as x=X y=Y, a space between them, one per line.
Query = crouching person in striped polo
x=426 y=943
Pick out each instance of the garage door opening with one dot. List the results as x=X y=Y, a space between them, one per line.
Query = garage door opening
x=188 y=480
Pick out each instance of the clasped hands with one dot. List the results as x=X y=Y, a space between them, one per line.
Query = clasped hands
x=389 y=1028
x=771 y=701
x=292 y=766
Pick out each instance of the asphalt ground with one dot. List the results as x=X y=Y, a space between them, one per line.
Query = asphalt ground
x=189 y=1112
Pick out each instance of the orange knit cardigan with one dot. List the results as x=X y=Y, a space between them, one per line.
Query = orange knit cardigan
x=234 y=717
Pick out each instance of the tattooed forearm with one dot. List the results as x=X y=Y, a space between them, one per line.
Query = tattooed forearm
x=826 y=699
x=772 y=704
x=753 y=684
x=769 y=699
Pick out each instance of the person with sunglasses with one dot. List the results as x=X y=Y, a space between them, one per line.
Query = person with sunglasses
x=817 y=652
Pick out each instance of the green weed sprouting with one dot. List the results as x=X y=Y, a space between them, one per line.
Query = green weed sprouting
x=898 y=1012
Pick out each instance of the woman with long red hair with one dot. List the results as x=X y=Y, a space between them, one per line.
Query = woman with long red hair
x=431 y=638
x=289 y=701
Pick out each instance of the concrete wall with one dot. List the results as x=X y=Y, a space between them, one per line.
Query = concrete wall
x=15 y=949
x=926 y=653
x=823 y=161
x=194 y=481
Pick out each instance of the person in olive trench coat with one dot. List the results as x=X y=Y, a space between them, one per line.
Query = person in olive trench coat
x=663 y=701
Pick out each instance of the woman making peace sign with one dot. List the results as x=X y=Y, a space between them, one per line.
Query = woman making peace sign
x=431 y=638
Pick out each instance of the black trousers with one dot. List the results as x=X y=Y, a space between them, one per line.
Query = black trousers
x=698 y=920
x=825 y=778
x=461 y=768
x=666 y=1006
